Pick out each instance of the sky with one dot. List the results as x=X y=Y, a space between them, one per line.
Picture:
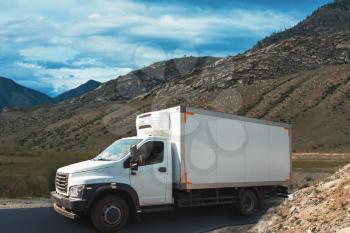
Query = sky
x=53 y=46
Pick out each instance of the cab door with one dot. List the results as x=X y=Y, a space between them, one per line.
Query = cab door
x=150 y=179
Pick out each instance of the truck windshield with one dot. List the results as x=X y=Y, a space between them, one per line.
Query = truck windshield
x=117 y=150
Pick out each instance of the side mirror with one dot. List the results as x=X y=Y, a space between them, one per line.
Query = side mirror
x=133 y=153
x=134 y=164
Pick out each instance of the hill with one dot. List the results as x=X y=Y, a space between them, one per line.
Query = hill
x=303 y=79
x=79 y=91
x=14 y=95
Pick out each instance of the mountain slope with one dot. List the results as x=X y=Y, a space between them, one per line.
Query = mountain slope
x=15 y=95
x=308 y=99
x=143 y=80
x=79 y=91
x=331 y=18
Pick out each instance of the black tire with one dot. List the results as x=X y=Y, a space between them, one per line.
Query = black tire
x=109 y=214
x=247 y=203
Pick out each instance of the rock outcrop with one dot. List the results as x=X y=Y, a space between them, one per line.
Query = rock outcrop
x=322 y=208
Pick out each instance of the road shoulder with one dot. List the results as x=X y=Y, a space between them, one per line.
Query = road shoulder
x=25 y=203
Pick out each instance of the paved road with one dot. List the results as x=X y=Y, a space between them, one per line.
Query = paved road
x=37 y=220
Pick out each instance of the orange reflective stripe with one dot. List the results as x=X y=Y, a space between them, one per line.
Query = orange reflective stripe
x=187 y=181
x=187 y=114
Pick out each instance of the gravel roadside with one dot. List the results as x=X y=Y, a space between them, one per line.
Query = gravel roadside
x=24 y=203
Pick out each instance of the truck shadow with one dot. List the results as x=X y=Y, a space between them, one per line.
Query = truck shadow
x=190 y=220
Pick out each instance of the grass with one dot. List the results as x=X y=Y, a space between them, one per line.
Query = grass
x=32 y=174
x=319 y=165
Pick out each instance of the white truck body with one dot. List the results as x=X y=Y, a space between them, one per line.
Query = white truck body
x=215 y=150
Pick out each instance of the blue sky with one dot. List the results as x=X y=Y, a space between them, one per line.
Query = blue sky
x=53 y=46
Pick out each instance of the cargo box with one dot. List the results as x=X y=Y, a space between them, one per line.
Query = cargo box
x=216 y=150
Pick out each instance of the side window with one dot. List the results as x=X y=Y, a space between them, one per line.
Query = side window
x=151 y=153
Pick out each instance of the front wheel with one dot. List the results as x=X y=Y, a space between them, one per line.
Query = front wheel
x=109 y=214
x=247 y=203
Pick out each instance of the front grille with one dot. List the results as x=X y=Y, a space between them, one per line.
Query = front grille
x=61 y=182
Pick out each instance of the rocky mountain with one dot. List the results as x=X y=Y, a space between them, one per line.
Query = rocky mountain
x=143 y=80
x=14 y=95
x=79 y=91
x=302 y=78
x=331 y=18
x=322 y=208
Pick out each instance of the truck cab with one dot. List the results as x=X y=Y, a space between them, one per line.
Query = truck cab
x=139 y=168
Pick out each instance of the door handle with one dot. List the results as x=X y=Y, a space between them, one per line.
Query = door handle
x=162 y=169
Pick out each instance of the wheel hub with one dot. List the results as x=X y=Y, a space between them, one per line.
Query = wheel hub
x=247 y=204
x=112 y=214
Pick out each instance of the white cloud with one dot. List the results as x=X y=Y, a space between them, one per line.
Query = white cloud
x=56 y=54
x=64 y=79
x=88 y=62
x=262 y=22
x=165 y=21
x=28 y=65
x=236 y=23
x=94 y=16
x=175 y=22
x=133 y=54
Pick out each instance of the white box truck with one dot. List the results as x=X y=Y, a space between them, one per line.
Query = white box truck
x=181 y=157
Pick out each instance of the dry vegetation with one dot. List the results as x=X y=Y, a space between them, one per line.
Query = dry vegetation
x=32 y=174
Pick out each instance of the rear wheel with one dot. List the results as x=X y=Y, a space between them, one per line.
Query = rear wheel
x=247 y=202
x=109 y=214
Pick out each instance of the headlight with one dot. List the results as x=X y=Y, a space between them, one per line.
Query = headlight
x=76 y=191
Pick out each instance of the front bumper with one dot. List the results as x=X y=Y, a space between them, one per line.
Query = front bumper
x=66 y=206
x=64 y=212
